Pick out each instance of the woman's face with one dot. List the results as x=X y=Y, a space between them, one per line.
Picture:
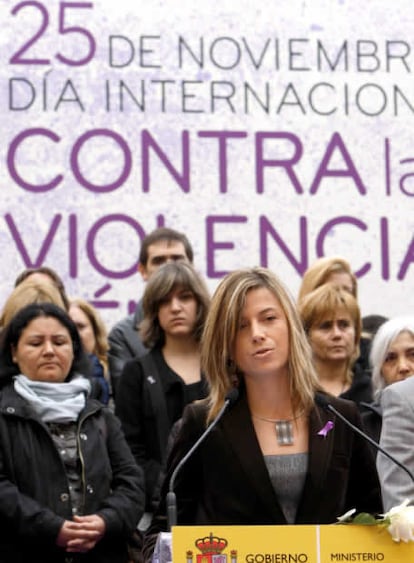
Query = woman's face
x=399 y=361
x=333 y=338
x=85 y=328
x=261 y=346
x=44 y=351
x=177 y=314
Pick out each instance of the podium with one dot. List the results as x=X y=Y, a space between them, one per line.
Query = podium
x=281 y=544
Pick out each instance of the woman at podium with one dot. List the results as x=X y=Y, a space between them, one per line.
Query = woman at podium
x=276 y=455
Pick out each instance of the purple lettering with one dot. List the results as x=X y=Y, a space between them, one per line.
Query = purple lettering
x=183 y=179
x=408 y=259
x=324 y=232
x=267 y=228
x=212 y=245
x=336 y=142
x=11 y=156
x=73 y=246
x=222 y=137
x=127 y=163
x=406 y=176
x=21 y=246
x=385 y=250
x=286 y=163
x=90 y=245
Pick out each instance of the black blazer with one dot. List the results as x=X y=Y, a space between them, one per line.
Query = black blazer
x=226 y=480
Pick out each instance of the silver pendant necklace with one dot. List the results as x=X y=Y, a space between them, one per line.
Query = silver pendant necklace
x=283 y=428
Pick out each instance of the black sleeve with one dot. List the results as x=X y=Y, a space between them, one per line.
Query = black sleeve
x=124 y=507
x=140 y=430
x=188 y=482
x=364 y=491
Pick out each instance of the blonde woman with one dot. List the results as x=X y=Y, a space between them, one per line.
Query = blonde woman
x=275 y=456
x=94 y=338
x=332 y=322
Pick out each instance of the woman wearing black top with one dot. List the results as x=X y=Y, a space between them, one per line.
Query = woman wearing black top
x=155 y=388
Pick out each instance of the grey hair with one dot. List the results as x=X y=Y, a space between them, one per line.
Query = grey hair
x=383 y=339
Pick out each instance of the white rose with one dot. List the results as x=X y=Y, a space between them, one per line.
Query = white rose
x=401 y=519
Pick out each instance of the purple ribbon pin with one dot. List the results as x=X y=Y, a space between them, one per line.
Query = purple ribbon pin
x=327 y=428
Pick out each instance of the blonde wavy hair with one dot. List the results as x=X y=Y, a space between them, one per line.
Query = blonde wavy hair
x=220 y=332
x=321 y=270
x=28 y=292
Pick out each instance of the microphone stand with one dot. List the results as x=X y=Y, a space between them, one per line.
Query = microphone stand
x=171 y=499
x=332 y=409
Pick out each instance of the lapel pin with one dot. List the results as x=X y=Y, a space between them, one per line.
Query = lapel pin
x=327 y=428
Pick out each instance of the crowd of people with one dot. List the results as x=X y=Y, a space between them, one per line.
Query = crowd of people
x=94 y=424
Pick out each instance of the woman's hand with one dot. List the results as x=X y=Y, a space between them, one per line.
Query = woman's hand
x=81 y=534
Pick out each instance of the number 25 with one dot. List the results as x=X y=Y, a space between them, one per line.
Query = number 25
x=64 y=29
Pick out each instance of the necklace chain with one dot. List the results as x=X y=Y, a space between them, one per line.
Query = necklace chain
x=283 y=428
x=275 y=420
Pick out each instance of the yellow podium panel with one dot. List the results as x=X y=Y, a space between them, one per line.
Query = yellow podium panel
x=287 y=544
x=362 y=543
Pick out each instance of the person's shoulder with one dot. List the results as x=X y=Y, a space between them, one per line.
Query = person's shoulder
x=346 y=407
x=197 y=410
x=127 y=323
x=133 y=372
x=373 y=408
x=401 y=390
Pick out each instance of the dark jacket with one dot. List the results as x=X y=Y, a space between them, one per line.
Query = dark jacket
x=124 y=344
x=226 y=482
x=361 y=387
x=151 y=398
x=34 y=494
x=100 y=386
x=371 y=414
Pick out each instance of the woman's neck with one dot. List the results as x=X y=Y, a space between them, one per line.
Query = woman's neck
x=182 y=355
x=333 y=376
x=269 y=397
x=178 y=346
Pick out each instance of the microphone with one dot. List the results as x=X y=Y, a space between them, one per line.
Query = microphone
x=229 y=401
x=323 y=402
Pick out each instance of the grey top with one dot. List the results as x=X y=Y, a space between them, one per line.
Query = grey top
x=287 y=474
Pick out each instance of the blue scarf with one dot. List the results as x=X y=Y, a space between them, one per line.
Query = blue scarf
x=54 y=402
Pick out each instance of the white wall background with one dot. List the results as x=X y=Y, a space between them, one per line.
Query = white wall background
x=282 y=37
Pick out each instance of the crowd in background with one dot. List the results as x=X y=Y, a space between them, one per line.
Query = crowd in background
x=93 y=425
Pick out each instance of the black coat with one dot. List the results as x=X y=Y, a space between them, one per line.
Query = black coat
x=371 y=414
x=34 y=494
x=151 y=398
x=361 y=387
x=226 y=480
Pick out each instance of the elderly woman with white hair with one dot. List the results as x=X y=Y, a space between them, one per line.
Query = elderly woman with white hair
x=392 y=359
